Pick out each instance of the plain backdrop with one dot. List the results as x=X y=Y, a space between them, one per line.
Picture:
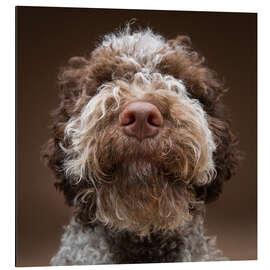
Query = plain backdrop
x=47 y=37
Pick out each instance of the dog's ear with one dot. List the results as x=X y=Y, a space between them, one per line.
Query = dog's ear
x=226 y=158
x=185 y=63
x=75 y=91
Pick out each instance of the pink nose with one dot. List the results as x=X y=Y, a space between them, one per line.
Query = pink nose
x=141 y=120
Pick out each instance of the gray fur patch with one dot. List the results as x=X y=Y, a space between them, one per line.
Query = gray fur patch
x=81 y=246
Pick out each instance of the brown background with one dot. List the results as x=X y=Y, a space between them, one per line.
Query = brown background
x=47 y=37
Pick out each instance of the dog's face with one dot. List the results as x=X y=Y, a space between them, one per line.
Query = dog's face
x=140 y=140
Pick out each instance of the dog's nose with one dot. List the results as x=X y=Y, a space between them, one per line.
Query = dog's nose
x=141 y=120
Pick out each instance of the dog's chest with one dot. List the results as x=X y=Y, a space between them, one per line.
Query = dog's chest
x=156 y=248
x=85 y=246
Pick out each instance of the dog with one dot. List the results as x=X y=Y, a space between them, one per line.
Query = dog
x=140 y=143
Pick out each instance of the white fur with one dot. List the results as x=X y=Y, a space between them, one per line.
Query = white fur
x=144 y=49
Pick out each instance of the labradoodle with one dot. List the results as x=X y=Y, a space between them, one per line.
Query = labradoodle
x=140 y=143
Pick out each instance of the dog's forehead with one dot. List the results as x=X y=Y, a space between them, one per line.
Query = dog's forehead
x=133 y=57
x=136 y=51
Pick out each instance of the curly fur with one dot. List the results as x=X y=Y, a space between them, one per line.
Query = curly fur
x=140 y=201
x=82 y=246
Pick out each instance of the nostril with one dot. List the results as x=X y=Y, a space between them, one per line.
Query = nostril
x=127 y=119
x=154 y=119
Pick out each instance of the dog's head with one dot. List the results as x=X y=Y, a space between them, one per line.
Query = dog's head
x=140 y=138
